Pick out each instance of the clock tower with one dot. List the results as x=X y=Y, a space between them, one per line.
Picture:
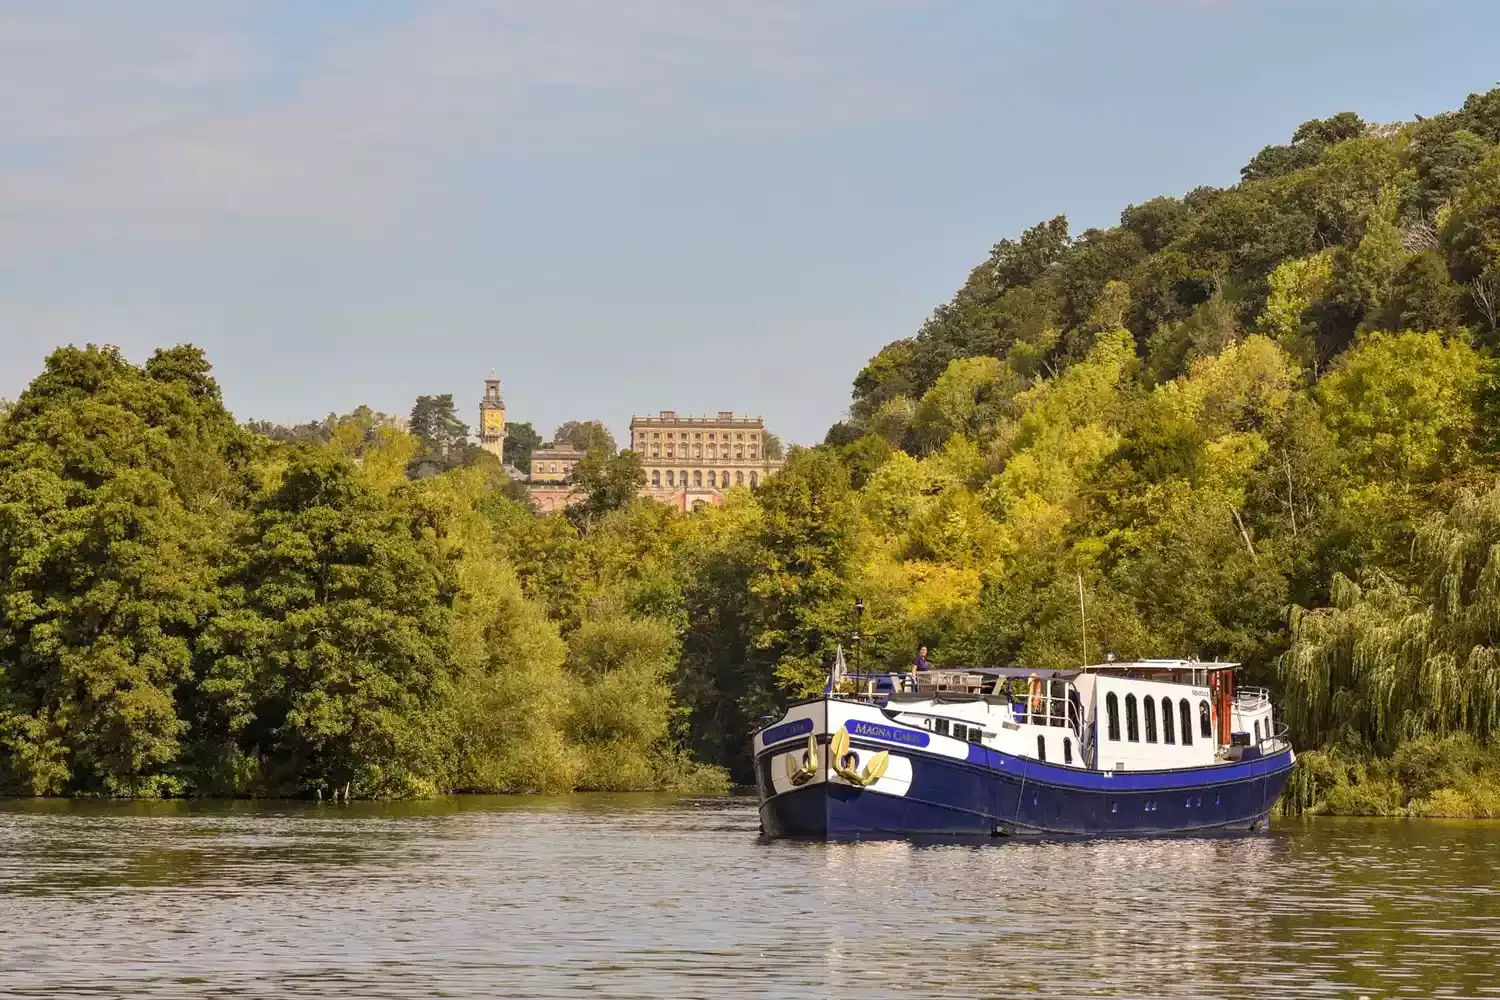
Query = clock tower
x=492 y=419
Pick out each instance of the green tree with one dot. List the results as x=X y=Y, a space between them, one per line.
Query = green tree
x=586 y=435
x=798 y=585
x=1424 y=297
x=971 y=398
x=115 y=485
x=444 y=438
x=1403 y=404
x=332 y=657
x=520 y=441
x=608 y=481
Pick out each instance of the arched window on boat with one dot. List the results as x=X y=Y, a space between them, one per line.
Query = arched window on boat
x=1167 y=725
x=1112 y=706
x=1187 y=721
x=1041 y=746
x=1150 y=706
x=1132 y=722
x=1257 y=730
x=1205 y=721
x=1067 y=750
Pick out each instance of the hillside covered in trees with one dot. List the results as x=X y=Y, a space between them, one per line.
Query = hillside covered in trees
x=1258 y=423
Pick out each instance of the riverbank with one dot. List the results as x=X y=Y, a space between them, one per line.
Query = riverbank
x=1452 y=777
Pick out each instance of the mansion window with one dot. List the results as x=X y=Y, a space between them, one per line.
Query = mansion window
x=656 y=478
x=752 y=479
x=670 y=478
x=739 y=479
x=698 y=481
x=711 y=478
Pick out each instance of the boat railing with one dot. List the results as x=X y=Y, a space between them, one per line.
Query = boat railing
x=1251 y=699
x=871 y=687
x=1279 y=740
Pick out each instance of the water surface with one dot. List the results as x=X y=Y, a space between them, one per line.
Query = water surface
x=641 y=896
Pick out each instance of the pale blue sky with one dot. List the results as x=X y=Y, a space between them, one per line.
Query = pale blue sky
x=621 y=206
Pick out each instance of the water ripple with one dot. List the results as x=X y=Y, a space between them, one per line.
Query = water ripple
x=639 y=896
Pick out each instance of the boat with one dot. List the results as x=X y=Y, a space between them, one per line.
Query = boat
x=1119 y=748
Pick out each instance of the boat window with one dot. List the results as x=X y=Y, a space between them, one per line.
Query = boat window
x=1257 y=730
x=1132 y=723
x=1150 y=707
x=1205 y=721
x=976 y=734
x=1041 y=747
x=940 y=727
x=1187 y=721
x=960 y=731
x=1112 y=706
x=1167 y=725
x=1067 y=750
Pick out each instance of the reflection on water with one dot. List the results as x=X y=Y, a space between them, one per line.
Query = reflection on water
x=640 y=896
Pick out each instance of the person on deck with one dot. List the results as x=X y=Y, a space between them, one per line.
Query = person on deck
x=921 y=661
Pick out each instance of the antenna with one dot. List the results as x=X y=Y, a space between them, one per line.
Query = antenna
x=1083 y=621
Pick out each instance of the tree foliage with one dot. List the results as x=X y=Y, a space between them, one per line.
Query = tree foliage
x=1257 y=423
x=586 y=435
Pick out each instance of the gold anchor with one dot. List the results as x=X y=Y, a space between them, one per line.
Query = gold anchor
x=799 y=775
x=845 y=761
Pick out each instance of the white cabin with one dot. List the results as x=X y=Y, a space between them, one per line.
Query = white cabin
x=1144 y=715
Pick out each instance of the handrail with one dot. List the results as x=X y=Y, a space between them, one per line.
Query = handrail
x=1252 y=697
x=1280 y=740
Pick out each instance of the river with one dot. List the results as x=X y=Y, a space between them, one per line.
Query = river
x=644 y=896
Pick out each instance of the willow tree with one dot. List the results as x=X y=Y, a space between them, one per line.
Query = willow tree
x=1391 y=661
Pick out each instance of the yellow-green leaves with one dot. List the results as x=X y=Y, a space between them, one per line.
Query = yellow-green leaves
x=1402 y=404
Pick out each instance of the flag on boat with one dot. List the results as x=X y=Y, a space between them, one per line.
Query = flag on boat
x=838 y=673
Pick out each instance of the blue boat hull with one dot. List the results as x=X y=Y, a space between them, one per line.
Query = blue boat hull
x=993 y=793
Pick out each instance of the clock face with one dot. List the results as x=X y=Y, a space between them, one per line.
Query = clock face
x=493 y=420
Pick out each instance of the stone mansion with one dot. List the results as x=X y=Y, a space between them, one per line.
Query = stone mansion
x=689 y=460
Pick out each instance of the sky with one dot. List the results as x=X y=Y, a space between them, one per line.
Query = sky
x=697 y=205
